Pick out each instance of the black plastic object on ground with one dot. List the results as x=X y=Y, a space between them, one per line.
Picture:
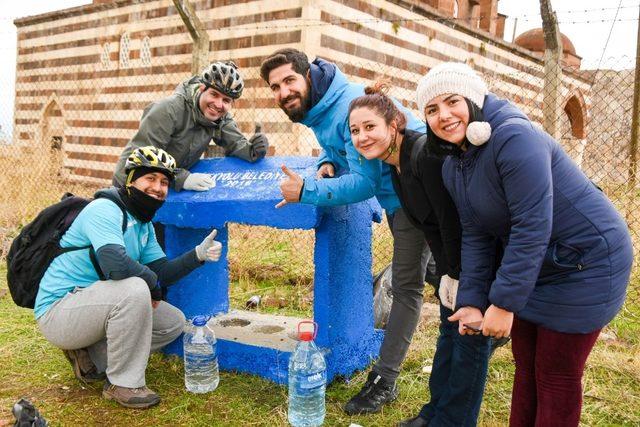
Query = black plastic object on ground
x=382 y=298
x=27 y=415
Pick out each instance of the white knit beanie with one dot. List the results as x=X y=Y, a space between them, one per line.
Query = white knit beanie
x=460 y=79
x=451 y=77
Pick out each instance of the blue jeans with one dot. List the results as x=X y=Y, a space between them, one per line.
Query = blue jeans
x=457 y=377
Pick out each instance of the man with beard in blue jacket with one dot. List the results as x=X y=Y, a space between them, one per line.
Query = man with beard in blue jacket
x=318 y=95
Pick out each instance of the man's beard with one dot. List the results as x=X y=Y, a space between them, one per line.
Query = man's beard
x=297 y=114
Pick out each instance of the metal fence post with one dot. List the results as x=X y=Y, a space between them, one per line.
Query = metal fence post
x=635 y=131
x=552 y=70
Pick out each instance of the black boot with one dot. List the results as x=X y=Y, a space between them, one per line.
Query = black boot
x=374 y=393
x=416 y=421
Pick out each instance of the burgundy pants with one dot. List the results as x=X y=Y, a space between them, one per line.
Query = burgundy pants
x=547 y=389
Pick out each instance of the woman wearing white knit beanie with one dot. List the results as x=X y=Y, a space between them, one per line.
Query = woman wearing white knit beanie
x=456 y=78
x=567 y=252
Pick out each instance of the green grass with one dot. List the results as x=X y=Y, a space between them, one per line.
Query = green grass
x=31 y=367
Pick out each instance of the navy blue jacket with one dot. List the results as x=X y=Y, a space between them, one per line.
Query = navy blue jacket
x=567 y=252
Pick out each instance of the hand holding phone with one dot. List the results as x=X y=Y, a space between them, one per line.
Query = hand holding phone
x=467 y=316
x=473 y=326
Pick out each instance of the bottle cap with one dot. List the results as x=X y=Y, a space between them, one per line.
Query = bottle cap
x=306 y=336
x=307 y=330
x=200 y=320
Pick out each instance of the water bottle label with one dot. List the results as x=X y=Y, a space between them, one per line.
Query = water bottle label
x=314 y=380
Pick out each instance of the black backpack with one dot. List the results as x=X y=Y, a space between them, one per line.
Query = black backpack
x=33 y=250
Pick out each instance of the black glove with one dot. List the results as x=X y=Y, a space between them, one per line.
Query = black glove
x=156 y=293
x=259 y=144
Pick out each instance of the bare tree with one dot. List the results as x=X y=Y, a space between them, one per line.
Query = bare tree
x=198 y=33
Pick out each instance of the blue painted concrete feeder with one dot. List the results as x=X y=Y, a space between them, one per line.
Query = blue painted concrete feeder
x=343 y=299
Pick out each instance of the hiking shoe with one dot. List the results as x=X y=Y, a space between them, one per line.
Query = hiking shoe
x=374 y=393
x=138 y=398
x=83 y=367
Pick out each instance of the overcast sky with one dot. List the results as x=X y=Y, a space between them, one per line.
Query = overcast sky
x=588 y=23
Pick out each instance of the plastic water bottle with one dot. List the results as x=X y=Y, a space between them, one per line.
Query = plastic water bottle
x=200 y=358
x=307 y=380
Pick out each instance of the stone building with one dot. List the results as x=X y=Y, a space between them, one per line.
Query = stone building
x=84 y=74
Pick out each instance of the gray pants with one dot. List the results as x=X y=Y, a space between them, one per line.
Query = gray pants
x=114 y=320
x=410 y=256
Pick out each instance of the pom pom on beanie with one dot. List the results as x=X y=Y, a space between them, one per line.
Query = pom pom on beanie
x=478 y=132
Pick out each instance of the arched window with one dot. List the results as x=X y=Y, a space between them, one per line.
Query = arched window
x=52 y=130
x=456 y=8
x=145 y=51
x=124 y=50
x=105 y=58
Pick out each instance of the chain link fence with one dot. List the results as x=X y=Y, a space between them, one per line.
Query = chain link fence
x=69 y=128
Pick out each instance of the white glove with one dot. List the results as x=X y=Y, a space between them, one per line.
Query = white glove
x=448 y=292
x=198 y=182
x=209 y=249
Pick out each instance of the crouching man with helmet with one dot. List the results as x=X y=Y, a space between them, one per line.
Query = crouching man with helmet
x=101 y=304
x=184 y=124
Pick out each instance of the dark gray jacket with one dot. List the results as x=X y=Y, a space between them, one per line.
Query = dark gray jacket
x=176 y=125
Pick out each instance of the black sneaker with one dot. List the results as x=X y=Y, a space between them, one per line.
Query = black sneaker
x=374 y=393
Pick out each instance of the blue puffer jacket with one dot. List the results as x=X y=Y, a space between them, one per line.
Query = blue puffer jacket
x=567 y=252
x=359 y=178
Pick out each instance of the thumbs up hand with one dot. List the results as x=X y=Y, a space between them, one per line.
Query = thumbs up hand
x=290 y=187
x=209 y=249
x=259 y=144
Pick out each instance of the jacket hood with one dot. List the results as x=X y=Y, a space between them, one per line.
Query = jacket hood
x=322 y=73
x=497 y=110
x=333 y=95
x=187 y=88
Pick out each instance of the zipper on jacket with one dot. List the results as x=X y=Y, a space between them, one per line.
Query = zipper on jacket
x=462 y=165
